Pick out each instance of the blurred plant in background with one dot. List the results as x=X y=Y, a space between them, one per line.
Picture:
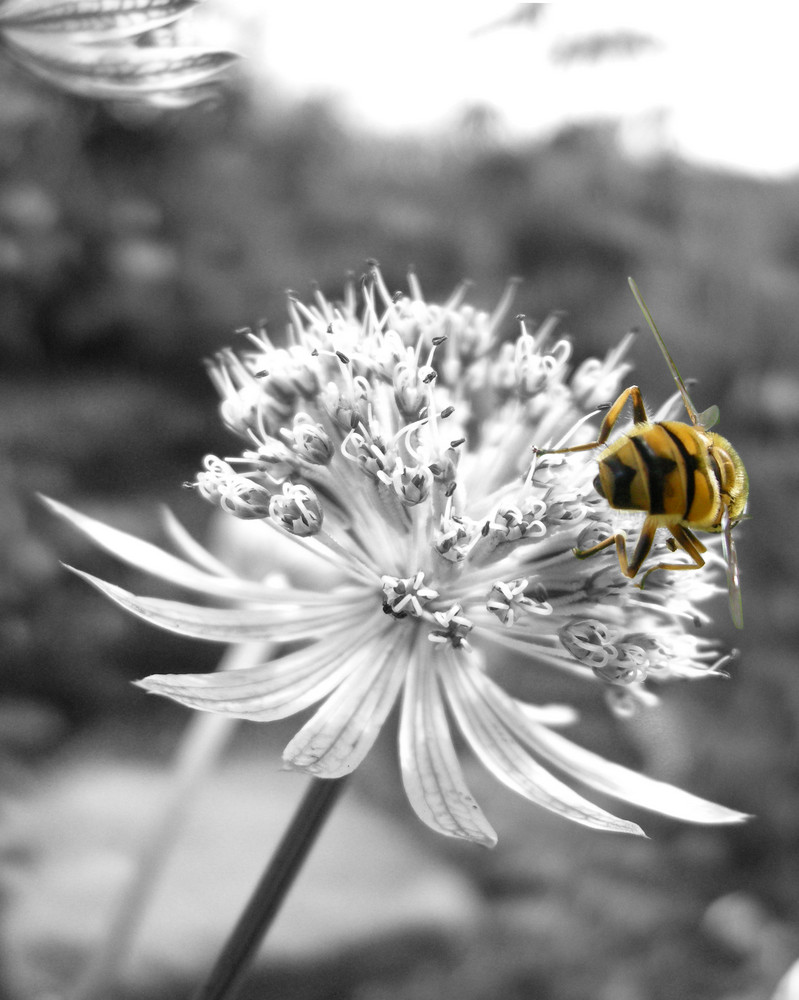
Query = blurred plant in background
x=125 y=51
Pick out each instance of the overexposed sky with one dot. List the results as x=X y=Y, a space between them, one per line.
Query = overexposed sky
x=722 y=89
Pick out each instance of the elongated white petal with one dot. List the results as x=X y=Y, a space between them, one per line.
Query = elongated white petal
x=277 y=621
x=597 y=772
x=549 y=715
x=337 y=738
x=431 y=772
x=92 y=20
x=145 y=556
x=271 y=690
x=503 y=754
x=263 y=677
x=115 y=72
x=630 y=786
x=190 y=547
x=186 y=97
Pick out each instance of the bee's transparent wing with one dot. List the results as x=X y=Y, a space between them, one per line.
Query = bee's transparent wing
x=707 y=418
x=733 y=581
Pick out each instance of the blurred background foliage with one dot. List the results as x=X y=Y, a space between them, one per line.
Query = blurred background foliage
x=129 y=251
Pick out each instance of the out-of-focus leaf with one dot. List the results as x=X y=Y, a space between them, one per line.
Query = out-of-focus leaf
x=91 y=20
x=520 y=15
x=599 y=46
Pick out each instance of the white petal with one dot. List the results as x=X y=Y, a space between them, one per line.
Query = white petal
x=630 y=786
x=115 y=72
x=279 y=621
x=151 y=559
x=190 y=547
x=92 y=20
x=549 y=715
x=505 y=757
x=431 y=772
x=337 y=738
x=272 y=690
x=601 y=774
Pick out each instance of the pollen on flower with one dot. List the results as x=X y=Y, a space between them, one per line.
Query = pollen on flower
x=453 y=627
x=508 y=600
x=297 y=509
x=391 y=439
x=406 y=597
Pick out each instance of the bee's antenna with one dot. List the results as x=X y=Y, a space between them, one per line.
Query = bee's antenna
x=708 y=417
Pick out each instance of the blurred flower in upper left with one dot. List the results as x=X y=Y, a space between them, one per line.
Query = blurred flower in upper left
x=112 y=50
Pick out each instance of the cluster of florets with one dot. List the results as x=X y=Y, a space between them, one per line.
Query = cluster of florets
x=397 y=435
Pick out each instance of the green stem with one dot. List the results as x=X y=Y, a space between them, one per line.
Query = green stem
x=285 y=865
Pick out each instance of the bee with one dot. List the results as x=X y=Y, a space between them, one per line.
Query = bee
x=684 y=477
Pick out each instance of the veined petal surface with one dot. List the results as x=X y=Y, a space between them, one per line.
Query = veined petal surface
x=343 y=730
x=152 y=559
x=284 y=621
x=431 y=772
x=503 y=754
x=275 y=689
x=595 y=771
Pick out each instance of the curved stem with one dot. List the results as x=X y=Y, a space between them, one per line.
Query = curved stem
x=285 y=865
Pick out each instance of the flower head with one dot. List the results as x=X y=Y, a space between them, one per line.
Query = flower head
x=392 y=439
x=111 y=50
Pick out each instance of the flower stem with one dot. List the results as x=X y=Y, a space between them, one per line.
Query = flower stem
x=260 y=911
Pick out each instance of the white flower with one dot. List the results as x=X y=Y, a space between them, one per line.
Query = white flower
x=391 y=439
x=111 y=50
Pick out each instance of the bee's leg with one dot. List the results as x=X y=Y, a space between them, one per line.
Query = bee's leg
x=641 y=551
x=643 y=545
x=686 y=540
x=686 y=531
x=609 y=422
x=587 y=553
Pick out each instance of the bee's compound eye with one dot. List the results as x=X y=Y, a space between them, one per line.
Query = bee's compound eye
x=598 y=486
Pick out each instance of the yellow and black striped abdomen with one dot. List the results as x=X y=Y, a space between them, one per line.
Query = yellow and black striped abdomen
x=660 y=469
